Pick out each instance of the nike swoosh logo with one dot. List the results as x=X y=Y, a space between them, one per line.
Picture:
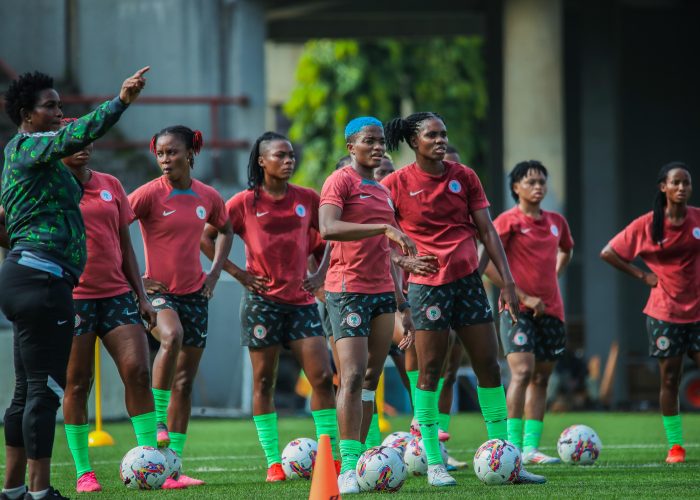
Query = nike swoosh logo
x=525 y=230
x=260 y=214
x=559 y=351
x=62 y=322
x=131 y=313
x=314 y=325
x=363 y=196
x=413 y=193
x=166 y=213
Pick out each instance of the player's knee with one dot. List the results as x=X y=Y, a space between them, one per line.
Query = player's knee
x=371 y=380
x=183 y=385
x=171 y=339
x=78 y=387
x=670 y=381
x=540 y=379
x=429 y=378
x=264 y=386
x=138 y=376
x=352 y=379
x=449 y=378
x=324 y=380
x=43 y=398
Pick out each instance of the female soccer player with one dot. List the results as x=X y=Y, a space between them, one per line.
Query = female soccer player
x=275 y=220
x=105 y=307
x=539 y=246
x=358 y=215
x=172 y=211
x=442 y=206
x=47 y=239
x=667 y=239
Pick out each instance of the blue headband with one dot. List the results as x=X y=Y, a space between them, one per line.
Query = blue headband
x=357 y=124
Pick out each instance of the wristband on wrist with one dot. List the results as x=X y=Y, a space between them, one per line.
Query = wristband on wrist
x=403 y=306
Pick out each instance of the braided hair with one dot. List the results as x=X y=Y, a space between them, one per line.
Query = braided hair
x=520 y=170
x=659 y=209
x=256 y=175
x=23 y=94
x=192 y=139
x=402 y=129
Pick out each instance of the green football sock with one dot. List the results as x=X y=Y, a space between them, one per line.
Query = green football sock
x=77 y=437
x=427 y=416
x=161 y=397
x=350 y=451
x=374 y=437
x=673 y=428
x=515 y=432
x=145 y=429
x=532 y=435
x=493 y=407
x=444 y=421
x=177 y=442
x=441 y=383
x=267 y=434
x=413 y=379
x=326 y=422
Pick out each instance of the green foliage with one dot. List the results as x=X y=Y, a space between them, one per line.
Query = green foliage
x=337 y=80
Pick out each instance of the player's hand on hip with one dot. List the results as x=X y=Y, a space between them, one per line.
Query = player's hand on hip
x=534 y=303
x=148 y=314
x=420 y=265
x=256 y=284
x=153 y=286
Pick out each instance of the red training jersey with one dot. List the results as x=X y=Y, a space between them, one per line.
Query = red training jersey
x=676 y=298
x=360 y=266
x=531 y=246
x=434 y=211
x=277 y=236
x=172 y=221
x=105 y=209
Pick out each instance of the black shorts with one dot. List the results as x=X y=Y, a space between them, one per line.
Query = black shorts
x=667 y=340
x=193 y=311
x=101 y=316
x=462 y=302
x=544 y=336
x=265 y=323
x=325 y=318
x=351 y=313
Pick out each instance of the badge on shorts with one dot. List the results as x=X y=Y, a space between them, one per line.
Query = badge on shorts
x=300 y=210
x=696 y=233
x=158 y=302
x=78 y=320
x=106 y=195
x=353 y=320
x=663 y=343
x=455 y=186
x=259 y=331
x=520 y=339
x=554 y=229
x=433 y=313
x=201 y=212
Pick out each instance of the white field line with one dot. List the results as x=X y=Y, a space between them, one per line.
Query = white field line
x=651 y=446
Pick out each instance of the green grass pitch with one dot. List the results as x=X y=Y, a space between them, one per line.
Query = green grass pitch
x=226 y=454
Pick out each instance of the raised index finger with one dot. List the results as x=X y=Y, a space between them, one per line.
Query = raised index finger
x=140 y=72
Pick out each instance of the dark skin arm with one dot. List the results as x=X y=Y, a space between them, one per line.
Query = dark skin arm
x=421 y=265
x=613 y=258
x=315 y=280
x=222 y=247
x=409 y=329
x=256 y=284
x=131 y=271
x=492 y=242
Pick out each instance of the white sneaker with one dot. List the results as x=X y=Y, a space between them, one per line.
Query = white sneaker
x=438 y=476
x=347 y=483
x=537 y=457
x=457 y=464
x=526 y=477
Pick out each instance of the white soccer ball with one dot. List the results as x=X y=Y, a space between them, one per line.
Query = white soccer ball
x=143 y=468
x=398 y=440
x=172 y=461
x=381 y=469
x=497 y=462
x=415 y=458
x=299 y=458
x=579 y=445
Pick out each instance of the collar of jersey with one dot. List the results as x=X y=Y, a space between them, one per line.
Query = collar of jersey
x=187 y=192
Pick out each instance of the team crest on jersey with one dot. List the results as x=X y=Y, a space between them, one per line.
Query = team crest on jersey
x=454 y=186
x=300 y=210
x=259 y=332
x=353 y=320
x=554 y=229
x=106 y=195
x=696 y=233
x=520 y=339
x=158 y=302
x=201 y=212
x=78 y=320
x=663 y=343
x=433 y=313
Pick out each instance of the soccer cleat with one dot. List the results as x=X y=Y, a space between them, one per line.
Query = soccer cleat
x=537 y=457
x=189 y=481
x=338 y=465
x=676 y=455
x=457 y=464
x=52 y=494
x=88 y=483
x=443 y=436
x=526 y=477
x=438 y=476
x=347 y=483
x=163 y=437
x=275 y=473
x=173 y=484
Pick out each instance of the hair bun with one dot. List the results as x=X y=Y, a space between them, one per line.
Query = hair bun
x=197 y=141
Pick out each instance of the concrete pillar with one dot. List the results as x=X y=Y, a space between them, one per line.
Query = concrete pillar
x=533 y=104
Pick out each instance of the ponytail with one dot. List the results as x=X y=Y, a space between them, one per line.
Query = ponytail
x=402 y=129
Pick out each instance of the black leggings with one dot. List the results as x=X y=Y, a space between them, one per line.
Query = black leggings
x=40 y=307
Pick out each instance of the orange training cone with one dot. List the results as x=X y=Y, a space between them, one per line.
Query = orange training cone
x=324 y=482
